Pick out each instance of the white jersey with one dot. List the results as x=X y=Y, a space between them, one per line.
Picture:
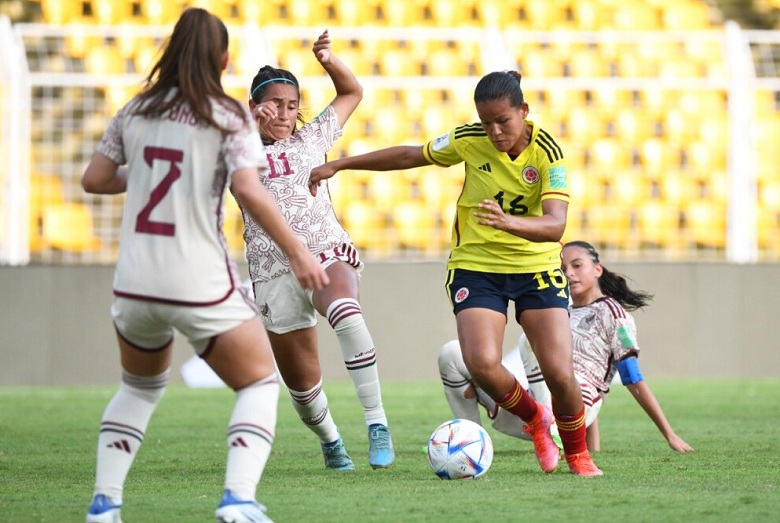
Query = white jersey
x=603 y=334
x=172 y=249
x=311 y=218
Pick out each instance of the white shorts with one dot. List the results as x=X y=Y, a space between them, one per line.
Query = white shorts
x=285 y=306
x=150 y=325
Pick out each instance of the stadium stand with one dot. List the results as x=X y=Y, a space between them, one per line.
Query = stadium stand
x=637 y=91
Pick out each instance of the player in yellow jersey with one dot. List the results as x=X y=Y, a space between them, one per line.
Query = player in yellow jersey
x=510 y=218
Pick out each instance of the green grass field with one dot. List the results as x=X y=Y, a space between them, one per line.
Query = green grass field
x=48 y=437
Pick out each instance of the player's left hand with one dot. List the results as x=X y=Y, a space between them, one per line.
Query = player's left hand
x=321 y=48
x=492 y=215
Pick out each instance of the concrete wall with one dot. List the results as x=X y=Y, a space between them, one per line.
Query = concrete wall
x=707 y=320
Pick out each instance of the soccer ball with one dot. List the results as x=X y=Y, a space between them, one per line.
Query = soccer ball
x=460 y=449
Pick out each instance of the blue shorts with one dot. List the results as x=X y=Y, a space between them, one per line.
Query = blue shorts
x=487 y=290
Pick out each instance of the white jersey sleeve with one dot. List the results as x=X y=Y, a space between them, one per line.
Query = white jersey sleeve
x=603 y=334
x=312 y=218
x=171 y=247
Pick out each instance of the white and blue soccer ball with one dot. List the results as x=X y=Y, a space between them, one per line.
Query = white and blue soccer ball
x=460 y=449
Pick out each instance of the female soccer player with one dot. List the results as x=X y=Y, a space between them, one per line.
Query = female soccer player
x=511 y=215
x=185 y=142
x=604 y=344
x=288 y=310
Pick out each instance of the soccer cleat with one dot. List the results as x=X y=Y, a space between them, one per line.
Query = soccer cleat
x=547 y=453
x=582 y=464
x=336 y=456
x=104 y=510
x=381 y=453
x=234 y=510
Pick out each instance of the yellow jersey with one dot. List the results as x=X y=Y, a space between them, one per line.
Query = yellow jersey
x=519 y=186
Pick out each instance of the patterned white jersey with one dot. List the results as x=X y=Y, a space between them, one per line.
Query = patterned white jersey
x=172 y=249
x=604 y=333
x=311 y=218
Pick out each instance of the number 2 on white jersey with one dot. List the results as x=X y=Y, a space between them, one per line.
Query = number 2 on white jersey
x=142 y=222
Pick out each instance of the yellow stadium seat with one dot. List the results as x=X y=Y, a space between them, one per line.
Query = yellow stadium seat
x=306 y=13
x=583 y=123
x=609 y=225
x=539 y=63
x=679 y=68
x=347 y=187
x=574 y=224
x=439 y=187
x=677 y=127
x=769 y=195
x=658 y=224
x=587 y=63
x=110 y=12
x=118 y=95
x=685 y=15
x=415 y=225
x=45 y=191
x=78 y=43
x=233 y=226
x=678 y=188
x=160 y=12
x=386 y=189
x=705 y=157
x=105 y=60
x=401 y=13
x=589 y=15
x=365 y=225
x=768 y=230
x=59 y=12
x=705 y=224
x=585 y=191
x=609 y=100
x=626 y=188
x=633 y=125
x=544 y=16
x=659 y=156
x=608 y=154
x=355 y=13
x=635 y=16
x=68 y=227
x=219 y=8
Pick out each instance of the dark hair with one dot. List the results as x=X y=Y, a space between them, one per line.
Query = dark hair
x=262 y=81
x=498 y=85
x=612 y=284
x=192 y=62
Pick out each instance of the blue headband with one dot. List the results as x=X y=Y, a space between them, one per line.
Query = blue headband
x=261 y=84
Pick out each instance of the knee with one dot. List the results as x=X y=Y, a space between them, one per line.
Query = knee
x=449 y=354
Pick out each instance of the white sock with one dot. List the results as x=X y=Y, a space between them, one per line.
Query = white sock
x=312 y=407
x=251 y=435
x=357 y=348
x=122 y=430
x=456 y=380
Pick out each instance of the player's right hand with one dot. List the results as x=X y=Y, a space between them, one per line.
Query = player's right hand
x=319 y=173
x=309 y=272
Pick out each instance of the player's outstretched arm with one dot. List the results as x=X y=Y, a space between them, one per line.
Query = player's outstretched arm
x=262 y=207
x=349 y=92
x=645 y=397
x=394 y=158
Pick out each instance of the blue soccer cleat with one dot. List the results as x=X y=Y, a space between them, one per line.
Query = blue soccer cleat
x=104 y=510
x=335 y=456
x=381 y=453
x=234 y=510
